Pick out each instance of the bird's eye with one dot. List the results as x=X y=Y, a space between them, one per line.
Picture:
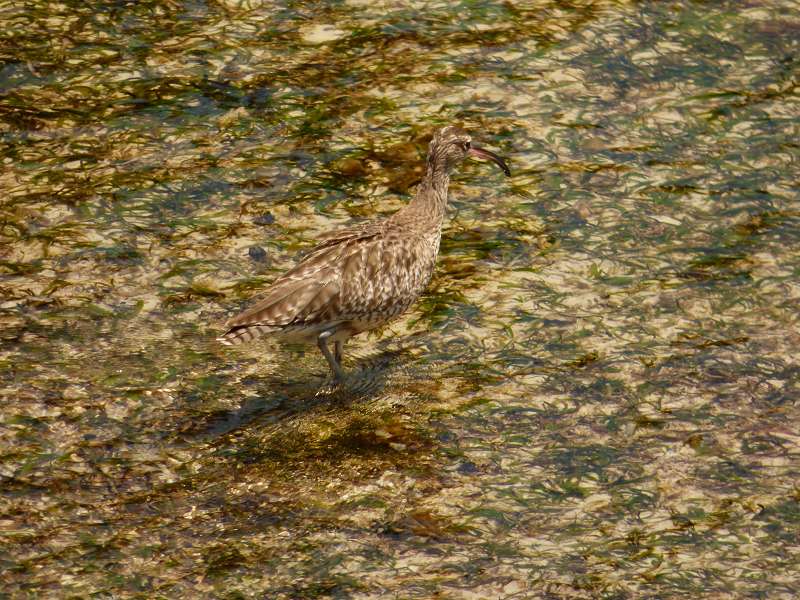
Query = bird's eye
x=466 y=145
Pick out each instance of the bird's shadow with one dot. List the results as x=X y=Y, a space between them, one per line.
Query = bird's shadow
x=282 y=398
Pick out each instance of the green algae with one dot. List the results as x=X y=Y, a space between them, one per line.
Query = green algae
x=595 y=398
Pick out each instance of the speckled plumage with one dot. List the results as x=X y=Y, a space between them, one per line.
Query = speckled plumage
x=364 y=276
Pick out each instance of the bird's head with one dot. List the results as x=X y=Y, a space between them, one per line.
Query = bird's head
x=451 y=145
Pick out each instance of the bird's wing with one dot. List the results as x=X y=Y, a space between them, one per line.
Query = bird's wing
x=362 y=231
x=381 y=274
x=311 y=289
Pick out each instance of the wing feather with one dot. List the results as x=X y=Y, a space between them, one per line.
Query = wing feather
x=350 y=274
x=306 y=292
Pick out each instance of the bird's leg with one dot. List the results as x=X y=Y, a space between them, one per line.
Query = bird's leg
x=322 y=342
x=338 y=350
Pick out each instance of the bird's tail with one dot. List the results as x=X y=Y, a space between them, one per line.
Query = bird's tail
x=239 y=334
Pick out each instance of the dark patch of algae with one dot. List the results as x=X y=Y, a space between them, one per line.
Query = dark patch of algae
x=597 y=398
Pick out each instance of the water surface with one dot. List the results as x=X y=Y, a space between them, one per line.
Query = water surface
x=597 y=397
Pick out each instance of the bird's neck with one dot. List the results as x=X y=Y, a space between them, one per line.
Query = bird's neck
x=431 y=196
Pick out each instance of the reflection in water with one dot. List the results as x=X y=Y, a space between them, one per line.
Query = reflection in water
x=594 y=398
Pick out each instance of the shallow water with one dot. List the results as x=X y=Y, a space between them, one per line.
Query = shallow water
x=596 y=397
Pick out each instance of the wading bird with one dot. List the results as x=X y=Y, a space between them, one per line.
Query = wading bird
x=362 y=277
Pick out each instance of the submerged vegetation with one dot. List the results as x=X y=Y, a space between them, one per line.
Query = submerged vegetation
x=597 y=396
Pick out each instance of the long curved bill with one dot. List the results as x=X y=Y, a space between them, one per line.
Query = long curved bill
x=480 y=152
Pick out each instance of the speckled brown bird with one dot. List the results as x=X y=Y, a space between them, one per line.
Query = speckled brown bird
x=362 y=277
